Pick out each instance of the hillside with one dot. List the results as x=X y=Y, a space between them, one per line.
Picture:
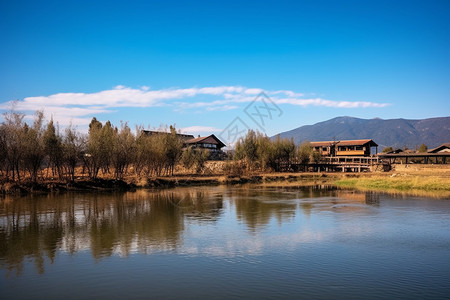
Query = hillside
x=397 y=133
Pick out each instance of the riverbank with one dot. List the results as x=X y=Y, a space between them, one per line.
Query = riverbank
x=50 y=186
x=427 y=180
x=416 y=180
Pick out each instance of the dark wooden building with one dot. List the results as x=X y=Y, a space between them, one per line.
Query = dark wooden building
x=345 y=148
x=210 y=142
x=444 y=148
x=184 y=137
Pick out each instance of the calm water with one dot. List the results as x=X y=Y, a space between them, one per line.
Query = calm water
x=222 y=243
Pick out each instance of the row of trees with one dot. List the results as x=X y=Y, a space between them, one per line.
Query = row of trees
x=259 y=152
x=23 y=147
x=30 y=149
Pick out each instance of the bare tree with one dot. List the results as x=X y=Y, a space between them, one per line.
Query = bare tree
x=73 y=148
x=124 y=150
x=106 y=148
x=173 y=149
x=195 y=157
x=93 y=155
x=247 y=149
x=304 y=153
x=13 y=142
x=140 y=158
x=53 y=148
x=260 y=152
x=33 y=146
x=3 y=151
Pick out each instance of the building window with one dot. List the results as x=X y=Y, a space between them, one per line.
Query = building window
x=208 y=145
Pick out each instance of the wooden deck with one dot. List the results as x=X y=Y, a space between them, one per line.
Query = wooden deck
x=337 y=164
x=367 y=163
x=434 y=158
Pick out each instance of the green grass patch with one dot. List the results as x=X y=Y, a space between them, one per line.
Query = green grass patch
x=401 y=183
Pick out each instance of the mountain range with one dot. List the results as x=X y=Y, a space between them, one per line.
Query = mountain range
x=396 y=133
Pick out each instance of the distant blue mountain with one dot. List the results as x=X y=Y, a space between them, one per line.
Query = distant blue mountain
x=397 y=133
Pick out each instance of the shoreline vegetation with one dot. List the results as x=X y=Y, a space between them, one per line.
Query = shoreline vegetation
x=430 y=181
x=38 y=158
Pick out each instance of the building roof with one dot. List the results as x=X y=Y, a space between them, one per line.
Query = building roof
x=440 y=148
x=323 y=144
x=423 y=154
x=345 y=143
x=181 y=135
x=210 y=139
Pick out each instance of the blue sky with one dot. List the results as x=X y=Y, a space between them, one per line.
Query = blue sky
x=199 y=64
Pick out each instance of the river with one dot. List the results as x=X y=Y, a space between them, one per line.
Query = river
x=225 y=243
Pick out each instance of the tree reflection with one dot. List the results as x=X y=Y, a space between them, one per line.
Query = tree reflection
x=37 y=227
x=257 y=207
x=199 y=204
x=28 y=231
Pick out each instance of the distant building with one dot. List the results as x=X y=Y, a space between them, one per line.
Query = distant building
x=210 y=142
x=326 y=148
x=395 y=151
x=345 y=148
x=441 y=149
x=401 y=151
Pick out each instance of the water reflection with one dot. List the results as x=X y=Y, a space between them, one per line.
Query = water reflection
x=257 y=207
x=37 y=228
x=198 y=204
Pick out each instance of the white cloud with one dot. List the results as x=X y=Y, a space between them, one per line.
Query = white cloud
x=222 y=108
x=329 y=103
x=286 y=92
x=196 y=129
x=79 y=108
x=253 y=91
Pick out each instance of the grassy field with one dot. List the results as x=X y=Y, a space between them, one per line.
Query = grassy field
x=420 y=180
x=402 y=183
x=430 y=180
x=412 y=184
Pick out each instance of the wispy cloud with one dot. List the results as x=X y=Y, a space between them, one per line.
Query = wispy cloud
x=78 y=108
x=329 y=103
x=195 y=129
